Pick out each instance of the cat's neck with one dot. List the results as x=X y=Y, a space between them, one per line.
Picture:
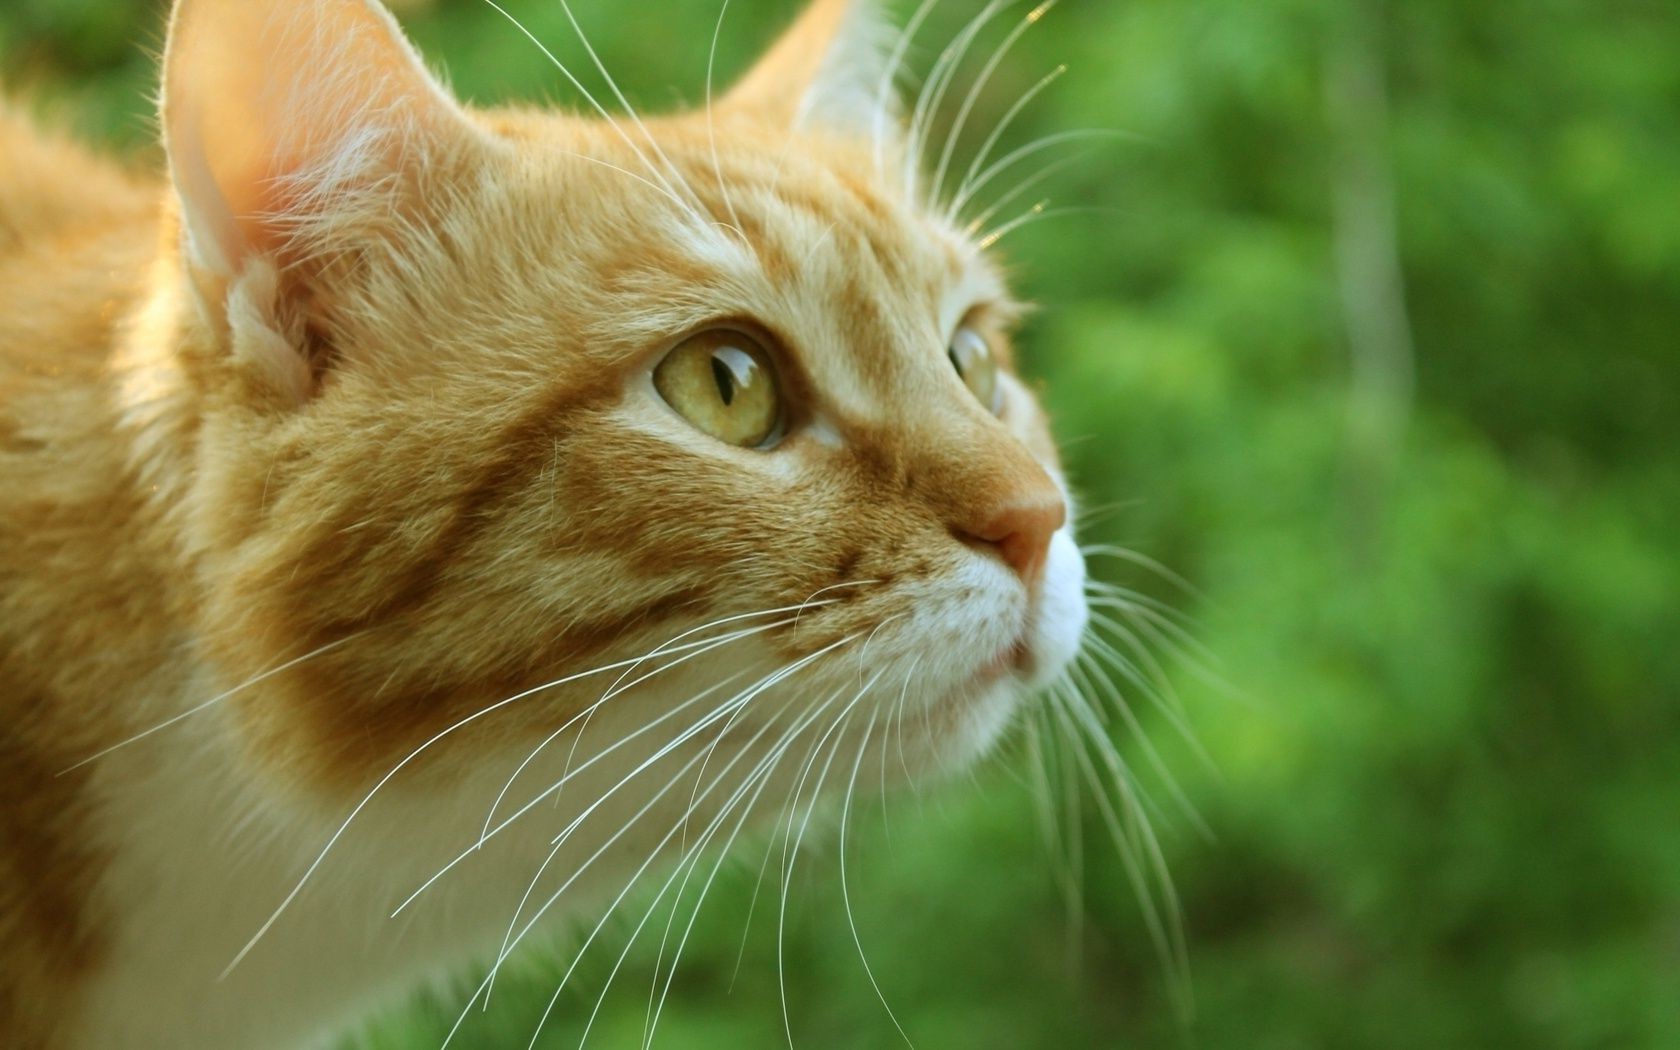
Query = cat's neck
x=153 y=848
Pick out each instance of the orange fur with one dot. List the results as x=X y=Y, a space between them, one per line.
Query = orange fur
x=367 y=376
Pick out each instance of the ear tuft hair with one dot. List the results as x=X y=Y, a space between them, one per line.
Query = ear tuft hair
x=829 y=70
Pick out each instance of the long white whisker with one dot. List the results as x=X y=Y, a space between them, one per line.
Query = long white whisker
x=619 y=687
x=1143 y=560
x=536 y=800
x=355 y=811
x=612 y=84
x=1081 y=675
x=780 y=751
x=1039 y=212
x=979 y=85
x=729 y=707
x=978 y=223
x=658 y=848
x=845 y=890
x=965 y=187
x=895 y=60
x=596 y=105
x=196 y=708
x=789 y=859
x=711 y=127
x=939 y=80
x=1021 y=153
x=1167 y=936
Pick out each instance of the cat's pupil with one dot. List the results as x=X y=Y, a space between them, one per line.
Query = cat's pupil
x=955 y=363
x=725 y=380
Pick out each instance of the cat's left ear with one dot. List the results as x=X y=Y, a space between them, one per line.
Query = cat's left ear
x=828 y=71
x=283 y=117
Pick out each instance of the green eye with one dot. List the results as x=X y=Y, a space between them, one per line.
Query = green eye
x=972 y=357
x=722 y=381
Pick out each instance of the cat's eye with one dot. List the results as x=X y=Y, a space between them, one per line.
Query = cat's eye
x=723 y=382
x=972 y=357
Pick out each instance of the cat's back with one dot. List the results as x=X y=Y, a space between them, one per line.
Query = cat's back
x=76 y=236
x=75 y=233
x=51 y=186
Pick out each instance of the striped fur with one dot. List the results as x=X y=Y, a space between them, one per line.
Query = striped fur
x=350 y=421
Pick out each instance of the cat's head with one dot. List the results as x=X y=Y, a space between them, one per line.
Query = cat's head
x=495 y=398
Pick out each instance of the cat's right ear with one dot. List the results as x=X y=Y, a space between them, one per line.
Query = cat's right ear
x=287 y=119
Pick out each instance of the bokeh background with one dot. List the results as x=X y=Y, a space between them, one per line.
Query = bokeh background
x=1367 y=326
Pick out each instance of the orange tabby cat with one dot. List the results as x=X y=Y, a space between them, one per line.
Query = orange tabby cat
x=402 y=489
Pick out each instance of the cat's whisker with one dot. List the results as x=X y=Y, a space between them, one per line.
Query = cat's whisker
x=1025 y=152
x=1073 y=811
x=778 y=676
x=656 y=187
x=895 y=725
x=790 y=859
x=1138 y=850
x=537 y=800
x=634 y=878
x=965 y=188
x=600 y=109
x=618 y=687
x=884 y=89
x=1038 y=763
x=1063 y=836
x=764 y=780
x=933 y=91
x=1158 y=681
x=978 y=223
x=1109 y=550
x=811 y=602
x=845 y=889
x=1039 y=212
x=509 y=938
x=863 y=650
x=1088 y=681
x=1170 y=636
x=756 y=780
x=513 y=942
x=207 y=704
x=937 y=186
x=711 y=126
x=1163 y=698
x=355 y=811
x=1138 y=600
x=732 y=708
x=612 y=84
x=998 y=234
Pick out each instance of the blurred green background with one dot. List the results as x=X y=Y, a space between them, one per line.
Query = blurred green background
x=1371 y=333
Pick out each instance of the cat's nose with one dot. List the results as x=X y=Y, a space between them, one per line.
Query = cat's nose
x=1020 y=532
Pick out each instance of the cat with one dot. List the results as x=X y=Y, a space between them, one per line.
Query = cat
x=422 y=522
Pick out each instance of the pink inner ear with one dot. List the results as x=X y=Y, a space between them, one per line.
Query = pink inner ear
x=272 y=106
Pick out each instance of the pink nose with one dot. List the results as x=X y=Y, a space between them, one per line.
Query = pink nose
x=1020 y=533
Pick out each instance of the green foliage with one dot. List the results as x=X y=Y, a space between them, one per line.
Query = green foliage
x=1443 y=795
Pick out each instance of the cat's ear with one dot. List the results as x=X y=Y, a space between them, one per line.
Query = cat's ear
x=829 y=70
x=279 y=115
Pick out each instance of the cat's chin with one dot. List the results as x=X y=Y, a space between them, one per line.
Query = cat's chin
x=967 y=721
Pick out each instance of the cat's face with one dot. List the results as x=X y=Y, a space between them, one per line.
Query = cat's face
x=532 y=395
